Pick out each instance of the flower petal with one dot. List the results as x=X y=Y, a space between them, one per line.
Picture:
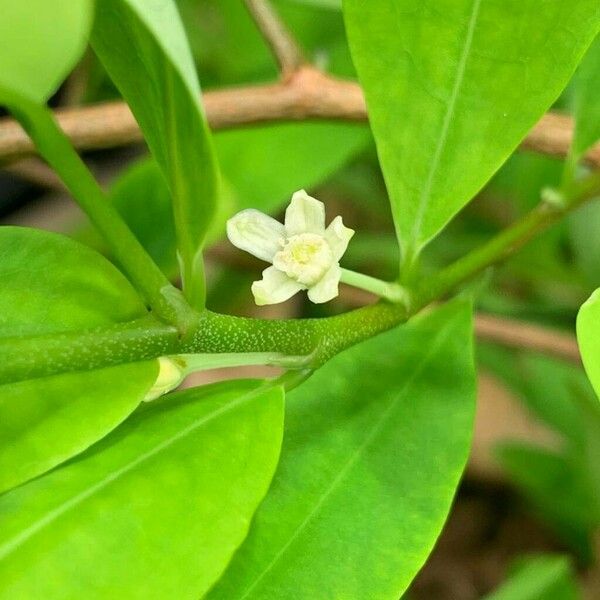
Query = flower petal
x=274 y=287
x=338 y=236
x=304 y=215
x=327 y=288
x=256 y=233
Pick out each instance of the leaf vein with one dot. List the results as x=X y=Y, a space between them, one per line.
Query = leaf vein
x=25 y=535
x=460 y=74
x=434 y=347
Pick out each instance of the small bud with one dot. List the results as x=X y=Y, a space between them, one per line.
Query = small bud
x=170 y=376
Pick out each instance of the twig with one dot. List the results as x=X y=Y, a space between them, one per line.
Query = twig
x=527 y=336
x=508 y=241
x=37 y=172
x=283 y=46
x=307 y=94
x=511 y=333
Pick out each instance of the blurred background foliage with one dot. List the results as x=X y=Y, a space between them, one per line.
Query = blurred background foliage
x=556 y=484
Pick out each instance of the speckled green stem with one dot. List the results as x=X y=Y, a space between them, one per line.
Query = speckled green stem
x=38 y=356
x=320 y=339
x=509 y=241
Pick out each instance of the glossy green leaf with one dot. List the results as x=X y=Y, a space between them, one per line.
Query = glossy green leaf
x=588 y=338
x=587 y=101
x=374 y=447
x=144 y=49
x=52 y=284
x=40 y=42
x=46 y=421
x=155 y=510
x=453 y=87
x=543 y=577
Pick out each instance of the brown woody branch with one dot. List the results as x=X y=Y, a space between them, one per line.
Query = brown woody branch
x=283 y=46
x=306 y=94
x=527 y=336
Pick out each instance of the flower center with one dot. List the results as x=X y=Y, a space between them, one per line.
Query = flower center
x=305 y=257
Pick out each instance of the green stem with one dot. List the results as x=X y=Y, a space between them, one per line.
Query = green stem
x=174 y=369
x=166 y=300
x=305 y=342
x=28 y=357
x=193 y=279
x=508 y=241
x=393 y=292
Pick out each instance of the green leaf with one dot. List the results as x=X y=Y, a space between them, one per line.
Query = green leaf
x=266 y=164
x=452 y=89
x=374 y=447
x=588 y=337
x=144 y=50
x=587 y=103
x=543 y=577
x=51 y=284
x=153 y=511
x=40 y=42
x=46 y=421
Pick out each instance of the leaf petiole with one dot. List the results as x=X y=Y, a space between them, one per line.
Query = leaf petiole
x=193 y=363
x=173 y=370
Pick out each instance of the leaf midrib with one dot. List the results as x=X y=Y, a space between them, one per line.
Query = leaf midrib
x=372 y=434
x=425 y=198
x=24 y=536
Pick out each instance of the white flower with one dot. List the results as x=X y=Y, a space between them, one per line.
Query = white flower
x=304 y=255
